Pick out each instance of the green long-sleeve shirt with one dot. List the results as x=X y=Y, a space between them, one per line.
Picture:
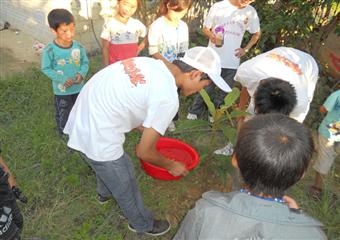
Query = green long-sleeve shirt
x=61 y=64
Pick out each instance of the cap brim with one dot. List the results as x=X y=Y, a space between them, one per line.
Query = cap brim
x=219 y=82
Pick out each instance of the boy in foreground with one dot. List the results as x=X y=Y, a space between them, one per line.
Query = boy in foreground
x=65 y=62
x=272 y=153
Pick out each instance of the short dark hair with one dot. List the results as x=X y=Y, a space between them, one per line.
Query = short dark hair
x=274 y=95
x=273 y=152
x=184 y=67
x=59 y=16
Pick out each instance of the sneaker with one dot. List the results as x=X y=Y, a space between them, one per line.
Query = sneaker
x=211 y=119
x=160 y=227
x=103 y=200
x=227 y=150
x=172 y=127
x=192 y=116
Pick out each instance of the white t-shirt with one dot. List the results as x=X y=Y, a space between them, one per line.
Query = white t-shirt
x=127 y=94
x=233 y=21
x=117 y=32
x=289 y=64
x=168 y=40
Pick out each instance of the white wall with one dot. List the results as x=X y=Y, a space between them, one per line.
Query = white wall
x=30 y=16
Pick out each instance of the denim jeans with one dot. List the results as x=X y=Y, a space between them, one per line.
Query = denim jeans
x=215 y=94
x=63 y=106
x=117 y=178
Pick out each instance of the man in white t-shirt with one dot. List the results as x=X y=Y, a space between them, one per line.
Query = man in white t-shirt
x=225 y=25
x=288 y=64
x=297 y=68
x=135 y=93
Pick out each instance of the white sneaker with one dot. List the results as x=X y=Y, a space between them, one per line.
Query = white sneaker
x=211 y=119
x=227 y=150
x=192 y=116
x=172 y=127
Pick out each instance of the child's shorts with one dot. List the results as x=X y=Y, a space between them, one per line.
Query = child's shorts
x=326 y=155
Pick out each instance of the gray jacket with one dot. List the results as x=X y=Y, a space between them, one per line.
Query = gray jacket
x=239 y=216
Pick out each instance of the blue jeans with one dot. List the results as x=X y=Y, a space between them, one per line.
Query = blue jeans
x=216 y=95
x=117 y=178
x=63 y=106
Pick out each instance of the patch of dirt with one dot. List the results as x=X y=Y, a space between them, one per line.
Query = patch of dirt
x=16 y=52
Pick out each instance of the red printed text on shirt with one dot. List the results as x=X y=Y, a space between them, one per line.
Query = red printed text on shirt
x=135 y=75
x=295 y=67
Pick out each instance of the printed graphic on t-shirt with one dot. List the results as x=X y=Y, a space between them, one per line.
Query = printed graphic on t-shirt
x=73 y=59
x=334 y=130
x=170 y=51
x=231 y=26
x=135 y=75
x=295 y=67
x=118 y=37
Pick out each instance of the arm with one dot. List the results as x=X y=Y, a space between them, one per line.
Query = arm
x=105 y=52
x=84 y=66
x=47 y=66
x=142 y=45
x=242 y=51
x=147 y=151
x=244 y=100
x=322 y=109
x=11 y=180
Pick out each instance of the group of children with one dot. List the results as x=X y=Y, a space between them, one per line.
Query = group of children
x=272 y=151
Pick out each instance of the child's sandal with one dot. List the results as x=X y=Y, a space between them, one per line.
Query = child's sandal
x=315 y=193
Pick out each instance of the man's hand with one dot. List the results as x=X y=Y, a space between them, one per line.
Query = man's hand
x=240 y=52
x=212 y=38
x=177 y=169
x=79 y=78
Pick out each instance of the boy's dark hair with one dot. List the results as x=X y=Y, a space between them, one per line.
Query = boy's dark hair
x=184 y=67
x=273 y=152
x=274 y=95
x=59 y=16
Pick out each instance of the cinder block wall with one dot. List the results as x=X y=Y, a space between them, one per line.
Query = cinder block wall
x=31 y=17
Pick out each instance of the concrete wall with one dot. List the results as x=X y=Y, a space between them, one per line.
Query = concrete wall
x=30 y=16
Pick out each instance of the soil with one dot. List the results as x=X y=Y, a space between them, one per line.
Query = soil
x=16 y=52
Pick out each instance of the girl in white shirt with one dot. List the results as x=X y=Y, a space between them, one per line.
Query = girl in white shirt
x=168 y=34
x=120 y=36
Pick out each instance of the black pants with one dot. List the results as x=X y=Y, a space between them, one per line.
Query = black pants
x=216 y=95
x=11 y=219
x=63 y=105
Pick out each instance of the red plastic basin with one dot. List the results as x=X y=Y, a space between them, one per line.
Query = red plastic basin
x=172 y=149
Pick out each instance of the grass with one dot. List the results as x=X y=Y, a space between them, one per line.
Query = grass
x=61 y=187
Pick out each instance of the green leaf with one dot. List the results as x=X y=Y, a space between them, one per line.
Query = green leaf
x=188 y=124
x=230 y=133
x=208 y=102
x=231 y=97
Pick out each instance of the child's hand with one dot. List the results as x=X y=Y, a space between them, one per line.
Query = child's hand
x=290 y=202
x=79 y=78
x=68 y=83
x=178 y=169
x=212 y=38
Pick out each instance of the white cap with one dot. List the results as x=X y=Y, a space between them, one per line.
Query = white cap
x=208 y=61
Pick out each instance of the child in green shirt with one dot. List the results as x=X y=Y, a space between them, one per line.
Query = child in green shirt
x=327 y=139
x=65 y=62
